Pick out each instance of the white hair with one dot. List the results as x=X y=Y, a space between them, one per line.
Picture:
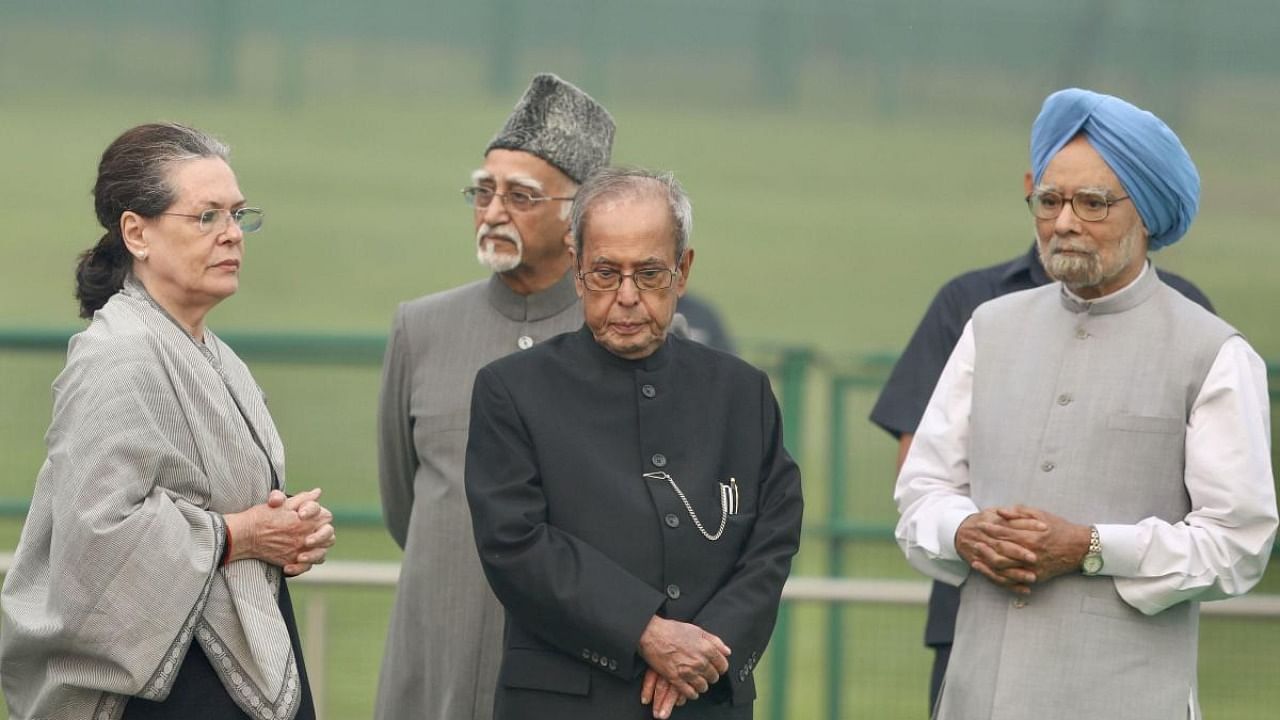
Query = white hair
x=633 y=183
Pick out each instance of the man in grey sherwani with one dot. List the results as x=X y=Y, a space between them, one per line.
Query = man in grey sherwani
x=445 y=640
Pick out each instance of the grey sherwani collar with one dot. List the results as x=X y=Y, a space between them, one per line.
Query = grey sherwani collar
x=1127 y=298
x=529 y=308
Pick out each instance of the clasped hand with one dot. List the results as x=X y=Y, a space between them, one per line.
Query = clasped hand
x=293 y=533
x=684 y=661
x=1018 y=546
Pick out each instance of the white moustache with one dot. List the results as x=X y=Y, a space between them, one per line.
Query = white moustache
x=486 y=250
x=505 y=232
x=1057 y=246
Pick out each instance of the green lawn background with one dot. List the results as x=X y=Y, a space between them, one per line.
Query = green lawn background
x=824 y=226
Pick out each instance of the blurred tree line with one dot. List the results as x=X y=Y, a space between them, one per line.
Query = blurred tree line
x=767 y=52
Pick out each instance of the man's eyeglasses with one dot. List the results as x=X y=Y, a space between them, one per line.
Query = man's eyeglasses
x=249 y=219
x=645 y=280
x=518 y=200
x=1088 y=205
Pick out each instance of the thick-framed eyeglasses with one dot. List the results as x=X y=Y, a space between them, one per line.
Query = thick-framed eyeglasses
x=1088 y=205
x=249 y=219
x=645 y=280
x=518 y=200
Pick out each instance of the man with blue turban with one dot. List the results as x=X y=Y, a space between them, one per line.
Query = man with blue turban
x=1095 y=459
x=905 y=394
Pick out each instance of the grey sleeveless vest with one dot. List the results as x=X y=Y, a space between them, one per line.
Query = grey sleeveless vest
x=1080 y=409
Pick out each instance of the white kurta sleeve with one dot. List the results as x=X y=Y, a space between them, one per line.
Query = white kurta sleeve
x=1221 y=547
x=932 y=491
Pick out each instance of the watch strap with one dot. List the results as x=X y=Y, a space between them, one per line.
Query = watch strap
x=1091 y=564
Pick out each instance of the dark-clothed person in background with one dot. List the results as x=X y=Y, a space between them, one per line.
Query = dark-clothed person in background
x=445 y=637
x=704 y=323
x=149 y=580
x=633 y=504
x=1095 y=459
x=905 y=394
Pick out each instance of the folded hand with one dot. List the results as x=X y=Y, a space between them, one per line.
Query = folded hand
x=293 y=533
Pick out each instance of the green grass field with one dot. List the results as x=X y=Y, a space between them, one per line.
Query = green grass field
x=825 y=227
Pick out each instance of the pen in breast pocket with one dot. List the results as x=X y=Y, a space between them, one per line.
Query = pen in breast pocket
x=729 y=497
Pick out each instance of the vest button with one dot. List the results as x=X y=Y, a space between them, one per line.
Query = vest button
x=673 y=591
x=1064 y=399
x=648 y=390
x=1046 y=466
x=671 y=520
x=658 y=460
x=524 y=342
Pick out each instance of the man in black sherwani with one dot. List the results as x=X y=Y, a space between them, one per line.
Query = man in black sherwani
x=633 y=504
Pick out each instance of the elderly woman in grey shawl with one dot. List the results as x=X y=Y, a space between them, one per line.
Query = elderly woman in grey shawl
x=148 y=582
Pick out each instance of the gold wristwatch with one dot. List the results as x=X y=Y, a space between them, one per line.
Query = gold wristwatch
x=1092 y=562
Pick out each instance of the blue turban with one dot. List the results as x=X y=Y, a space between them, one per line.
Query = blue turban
x=1140 y=149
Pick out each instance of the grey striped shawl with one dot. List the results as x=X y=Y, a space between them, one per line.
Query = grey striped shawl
x=117 y=569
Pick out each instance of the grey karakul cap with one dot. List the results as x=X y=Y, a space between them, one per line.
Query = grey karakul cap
x=560 y=124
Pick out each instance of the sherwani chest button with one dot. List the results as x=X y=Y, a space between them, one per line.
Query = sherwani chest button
x=658 y=460
x=648 y=390
x=673 y=591
x=613 y=664
x=1019 y=603
x=1046 y=466
x=1064 y=399
x=671 y=520
x=1081 y=333
x=524 y=342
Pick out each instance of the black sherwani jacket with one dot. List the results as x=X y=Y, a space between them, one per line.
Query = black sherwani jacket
x=582 y=549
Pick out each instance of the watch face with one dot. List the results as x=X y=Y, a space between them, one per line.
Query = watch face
x=1091 y=565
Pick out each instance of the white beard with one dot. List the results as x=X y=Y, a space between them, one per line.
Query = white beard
x=487 y=253
x=1089 y=271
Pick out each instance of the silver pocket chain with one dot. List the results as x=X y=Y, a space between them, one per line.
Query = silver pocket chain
x=728 y=503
